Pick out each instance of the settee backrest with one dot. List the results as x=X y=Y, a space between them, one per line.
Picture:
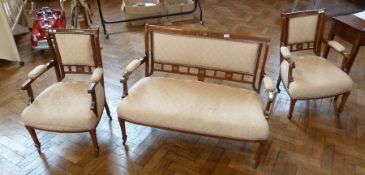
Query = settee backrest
x=207 y=54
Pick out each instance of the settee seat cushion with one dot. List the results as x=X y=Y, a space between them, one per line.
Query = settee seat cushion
x=315 y=77
x=64 y=106
x=197 y=107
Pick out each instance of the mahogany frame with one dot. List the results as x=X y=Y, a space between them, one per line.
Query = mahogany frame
x=315 y=46
x=150 y=63
x=61 y=70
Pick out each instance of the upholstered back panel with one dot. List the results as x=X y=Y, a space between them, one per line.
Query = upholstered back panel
x=302 y=29
x=205 y=52
x=75 y=49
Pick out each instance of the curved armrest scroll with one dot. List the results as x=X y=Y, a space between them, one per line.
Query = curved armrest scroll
x=131 y=67
x=97 y=75
x=339 y=48
x=285 y=53
x=270 y=89
x=32 y=76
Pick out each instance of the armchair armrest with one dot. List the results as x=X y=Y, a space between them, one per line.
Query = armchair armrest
x=96 y=77
x=339 y=48
x=32 y=76
x=131 y=67
x=270 y=89
x=37 y=71
x=285 y=53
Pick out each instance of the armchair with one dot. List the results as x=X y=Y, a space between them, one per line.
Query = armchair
x=68 y=106
x=310 y=76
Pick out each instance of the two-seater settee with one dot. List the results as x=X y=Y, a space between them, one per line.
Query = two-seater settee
x=198 y=107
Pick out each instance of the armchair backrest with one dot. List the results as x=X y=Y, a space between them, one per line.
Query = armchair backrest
x=207 y=54
x=303 y=30
x=75 y=51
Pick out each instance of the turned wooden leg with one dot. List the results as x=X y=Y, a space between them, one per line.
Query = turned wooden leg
x=122 y=127
x=278 y=84
x=107 y=110
x=34 y=138
x=343 y=101
x=260 y=152
x=95 y=141
x=291 y=108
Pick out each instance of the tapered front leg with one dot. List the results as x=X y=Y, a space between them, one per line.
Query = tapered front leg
x=278 y=84
x=122 y=127
x=107 y=110
x=95 y=141
x=33 y=134
x=291 y=108
x=343 y=102
x=260 y=152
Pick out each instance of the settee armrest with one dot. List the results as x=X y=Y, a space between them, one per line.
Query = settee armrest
x=96 y=78
x=271 y=92
x=286 y=55
x=131 y=67
x=32 y=76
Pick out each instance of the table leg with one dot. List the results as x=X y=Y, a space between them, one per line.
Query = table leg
x=331 y=36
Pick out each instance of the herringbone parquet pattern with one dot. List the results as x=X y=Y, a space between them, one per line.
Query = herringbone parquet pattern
x=315 y=141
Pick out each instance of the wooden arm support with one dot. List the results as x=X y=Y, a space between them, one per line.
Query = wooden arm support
x=132 y=66
x=32 y=76
x=286 y=55
x=92 y=92
x=270 y=89
x=96 y=77
x=339 y=48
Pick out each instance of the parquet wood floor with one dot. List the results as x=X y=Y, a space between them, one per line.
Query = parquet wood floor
x=315 y=141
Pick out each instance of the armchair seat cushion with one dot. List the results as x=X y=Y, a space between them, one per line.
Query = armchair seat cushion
x=315 y=77
x=197 y=107
x=64 y=106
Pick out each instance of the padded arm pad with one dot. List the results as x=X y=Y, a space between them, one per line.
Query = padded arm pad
x=132 y=66
x=97 y=75
x=285 y=52
x=268 y=84
x=37 y=71
x=337 y=46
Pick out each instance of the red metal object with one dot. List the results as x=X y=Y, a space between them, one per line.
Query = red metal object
x=44 y=19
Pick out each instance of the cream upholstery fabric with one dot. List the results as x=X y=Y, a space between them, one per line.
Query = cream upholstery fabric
x=302 y=29
x=204 y=52
x=133 y=65
x=97 y=75
x=64 y=106
x=315 y=77
x=268 y=84
x=37 y=71
x=337 y=46
x=75 y=49
x=285 y=52
x=196 y=107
